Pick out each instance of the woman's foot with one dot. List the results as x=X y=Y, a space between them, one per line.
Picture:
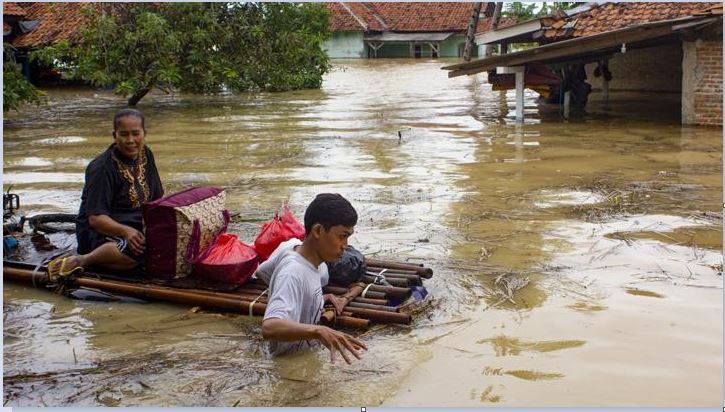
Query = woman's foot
x=64 y=266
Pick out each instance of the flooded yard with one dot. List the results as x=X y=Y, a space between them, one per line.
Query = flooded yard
x=577 y=262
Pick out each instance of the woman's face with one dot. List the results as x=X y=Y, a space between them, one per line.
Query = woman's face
x=129 y=136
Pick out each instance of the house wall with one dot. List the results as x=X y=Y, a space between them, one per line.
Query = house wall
x=398 y=50
x=350 y=45
x=653 y=69
x=345 y=45
x=702 y=78
x=450 y=47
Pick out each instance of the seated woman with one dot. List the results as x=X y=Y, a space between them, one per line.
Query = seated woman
x=109 y=227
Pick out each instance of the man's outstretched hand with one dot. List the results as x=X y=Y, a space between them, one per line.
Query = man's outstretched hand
x=337 y=341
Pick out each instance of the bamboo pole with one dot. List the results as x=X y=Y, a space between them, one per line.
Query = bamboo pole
x=339 y=290
x=352 y=323
x=399 y=282
x=391 y=291
x=412 y=278
x=388 y=270
x=375 y=307
x=209 y=299
x=355 y=291
x=382 y=302
x=380 y=316
x=423 y=272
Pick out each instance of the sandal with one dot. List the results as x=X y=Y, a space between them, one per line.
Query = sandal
x=60 y=263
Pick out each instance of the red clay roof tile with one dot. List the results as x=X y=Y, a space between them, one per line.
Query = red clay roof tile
x=612 y=16
x=406 y=17
x=13 y=9
x=58 y=21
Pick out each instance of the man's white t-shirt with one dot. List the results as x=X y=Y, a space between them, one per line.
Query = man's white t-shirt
x=265 y=270
x=295 y=293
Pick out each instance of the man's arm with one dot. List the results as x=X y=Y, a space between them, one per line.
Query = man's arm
x=105 y=225
x=288 y=331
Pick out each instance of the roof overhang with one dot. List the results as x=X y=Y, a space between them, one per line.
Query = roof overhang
x=574 y=49
x=521 y=32
x=392 y=37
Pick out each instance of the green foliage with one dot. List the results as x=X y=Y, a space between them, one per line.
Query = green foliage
x=556 y=6
x=197 y=47
x=16 y=90
x=528 y=11
x=522 y=11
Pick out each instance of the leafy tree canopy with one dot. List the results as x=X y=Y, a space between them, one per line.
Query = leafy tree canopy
x=16 y=90
x=528 y=11
x=197 y=47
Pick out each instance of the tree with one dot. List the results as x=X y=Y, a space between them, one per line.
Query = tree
x=528 y=11
x=197 y=47
x=522 y=11
x=557 y=6
x=16 y=90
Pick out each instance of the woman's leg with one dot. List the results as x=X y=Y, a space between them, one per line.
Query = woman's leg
x=106 y=256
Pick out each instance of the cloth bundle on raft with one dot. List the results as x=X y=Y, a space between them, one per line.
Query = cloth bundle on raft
x=367 y=302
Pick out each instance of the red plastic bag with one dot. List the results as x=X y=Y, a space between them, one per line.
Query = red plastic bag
x=292 y=224
x=280 y=229
x=228 y=260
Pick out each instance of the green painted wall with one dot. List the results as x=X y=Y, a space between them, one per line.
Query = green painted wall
x=394 y=50
x=345 y=45
x=350 y=45
x=450 y=47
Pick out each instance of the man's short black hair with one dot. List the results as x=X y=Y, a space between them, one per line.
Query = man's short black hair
x=128 y=113
x=329 y=209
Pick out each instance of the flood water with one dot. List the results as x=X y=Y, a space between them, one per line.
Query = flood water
x=577 y=262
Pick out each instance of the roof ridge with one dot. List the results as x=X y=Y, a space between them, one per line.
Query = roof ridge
x=375 y=15
x=359 y=20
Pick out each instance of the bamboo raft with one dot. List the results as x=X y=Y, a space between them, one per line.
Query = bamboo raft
x=367 y=302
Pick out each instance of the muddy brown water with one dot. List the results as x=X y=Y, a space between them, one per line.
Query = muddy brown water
x=576 y=262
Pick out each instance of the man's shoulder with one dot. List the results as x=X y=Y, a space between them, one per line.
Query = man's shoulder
x=292 y=265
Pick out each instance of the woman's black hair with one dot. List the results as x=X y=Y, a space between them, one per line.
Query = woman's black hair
x=126 y=113
x=329 y=209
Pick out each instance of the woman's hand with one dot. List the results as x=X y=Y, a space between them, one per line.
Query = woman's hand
x=135 y=239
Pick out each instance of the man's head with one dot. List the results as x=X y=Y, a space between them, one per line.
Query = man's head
x=329 y=222
x=129 y=132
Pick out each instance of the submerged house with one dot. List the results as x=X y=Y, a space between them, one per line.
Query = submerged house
x=28 y=26
x=404 y=29
x=639 y=47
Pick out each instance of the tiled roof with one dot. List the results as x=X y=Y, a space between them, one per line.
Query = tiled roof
x=406 y=17
x=354 y=17
x=13 y=9
x=58 y=21
x=612 y=16
x=484 y=23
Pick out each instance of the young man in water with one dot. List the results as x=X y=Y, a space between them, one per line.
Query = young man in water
x=295 y=294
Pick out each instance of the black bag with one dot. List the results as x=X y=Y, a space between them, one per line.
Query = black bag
x=349 y=269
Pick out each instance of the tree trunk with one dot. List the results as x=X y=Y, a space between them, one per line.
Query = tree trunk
x=471 y=33
x=138 y=96
x=494 y=25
